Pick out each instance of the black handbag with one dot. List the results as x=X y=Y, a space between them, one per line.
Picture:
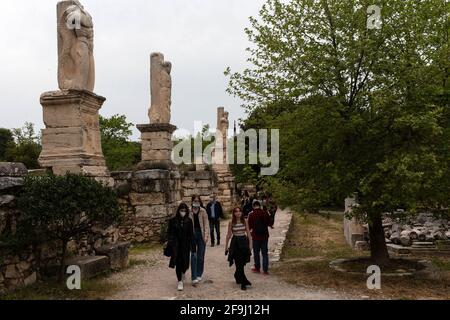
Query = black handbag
x=168 y=249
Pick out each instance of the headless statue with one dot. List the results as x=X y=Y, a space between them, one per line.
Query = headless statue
x=76 y=67
x=161 y=89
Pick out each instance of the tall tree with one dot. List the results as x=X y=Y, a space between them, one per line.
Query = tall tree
x=120 y=152
x=6 y=140
x=26 y=147
x=367 y=107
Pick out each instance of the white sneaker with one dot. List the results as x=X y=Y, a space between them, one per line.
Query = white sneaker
x=199 y=279
x=180 y=286
x=194 y=282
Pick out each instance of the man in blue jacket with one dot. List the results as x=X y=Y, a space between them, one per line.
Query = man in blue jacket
x=215 y=212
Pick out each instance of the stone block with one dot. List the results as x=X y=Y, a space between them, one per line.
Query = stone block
x=199 y=175
x=156 y=135
x=175 y=175
x=31 y=279
x=90 y=266
x=151 y=211
x=10 y=182
x=117 y=254
x=141 y=199
x=11 y=272
x=71 y=139
x=156 y=155
x=157 y=144
x=122 y=175
x=155 y=174
x=6 y=200
x=12 y=169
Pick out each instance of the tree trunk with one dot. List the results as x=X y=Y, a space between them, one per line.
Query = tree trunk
x=62 y=267
x=378 y=248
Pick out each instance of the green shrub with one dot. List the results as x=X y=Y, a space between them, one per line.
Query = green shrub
x=60 y=208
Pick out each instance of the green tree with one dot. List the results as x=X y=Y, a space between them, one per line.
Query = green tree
x=26 y=147
x=61 y=208
x=6 y=140
x=359 y=109
x=120 y=153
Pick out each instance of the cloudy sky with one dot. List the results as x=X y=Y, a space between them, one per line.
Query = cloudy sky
x=200 y=37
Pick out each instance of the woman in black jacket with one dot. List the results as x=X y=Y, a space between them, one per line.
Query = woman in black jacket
x=180 y=242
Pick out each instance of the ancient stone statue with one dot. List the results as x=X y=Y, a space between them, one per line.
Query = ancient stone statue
x=76 y=67
x=161 y=89
x=224 y=125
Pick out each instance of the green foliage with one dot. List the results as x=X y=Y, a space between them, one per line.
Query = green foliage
x=359 y=110
x=6 y=140
x=120 y=153
x=25 y=146
x=60 y=208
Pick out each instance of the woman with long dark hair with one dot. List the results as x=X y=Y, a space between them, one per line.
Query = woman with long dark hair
x=180 y=242
x=239 y=250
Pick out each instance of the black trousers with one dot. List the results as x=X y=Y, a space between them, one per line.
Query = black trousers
x=240 y=276
x=214 y=224
x=179 y=268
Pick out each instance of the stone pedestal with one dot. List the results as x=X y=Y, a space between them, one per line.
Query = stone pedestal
x=353 y=229
x=71 y=141
x=157 y=146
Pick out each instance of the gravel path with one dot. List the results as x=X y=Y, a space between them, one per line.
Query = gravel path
x=156 y=281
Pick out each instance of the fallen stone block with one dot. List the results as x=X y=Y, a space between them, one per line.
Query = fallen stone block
x=11 y=169
x=10 y=182
x=90 y=266
x=117 y=254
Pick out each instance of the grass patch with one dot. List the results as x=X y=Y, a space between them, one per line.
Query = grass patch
x=144 y=248
x=442 y=263
x=314 y=240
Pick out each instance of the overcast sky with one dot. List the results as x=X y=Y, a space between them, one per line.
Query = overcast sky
x=200 y=37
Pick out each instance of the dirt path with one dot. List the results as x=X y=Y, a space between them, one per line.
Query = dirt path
x=156 y=281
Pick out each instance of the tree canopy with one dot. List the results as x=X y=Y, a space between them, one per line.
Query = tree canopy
x=359 y=109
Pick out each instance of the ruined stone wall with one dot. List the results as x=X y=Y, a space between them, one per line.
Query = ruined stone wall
x=150 y=198
x=18 y=269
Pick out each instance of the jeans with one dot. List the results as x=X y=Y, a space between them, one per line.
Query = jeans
x=214 y=224
x=198 y=258
x=261 y=247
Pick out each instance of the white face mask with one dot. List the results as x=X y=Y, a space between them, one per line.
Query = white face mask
x=182 y=214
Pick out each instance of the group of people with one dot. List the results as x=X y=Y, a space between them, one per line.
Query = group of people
x=192 y=228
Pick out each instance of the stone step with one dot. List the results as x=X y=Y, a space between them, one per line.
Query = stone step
x=419 y=244
x=91 y=266
x=117 y=254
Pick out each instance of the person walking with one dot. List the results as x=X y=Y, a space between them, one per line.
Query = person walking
x=201 y=233
x=215 y=212
x=180 y=243
x=246 y=205
x=239 y=251
x=259 y=222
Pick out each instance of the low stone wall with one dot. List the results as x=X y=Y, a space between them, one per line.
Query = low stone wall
x=201 y=183
x=18 y=269
x=227 y=194
x=150 y=198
